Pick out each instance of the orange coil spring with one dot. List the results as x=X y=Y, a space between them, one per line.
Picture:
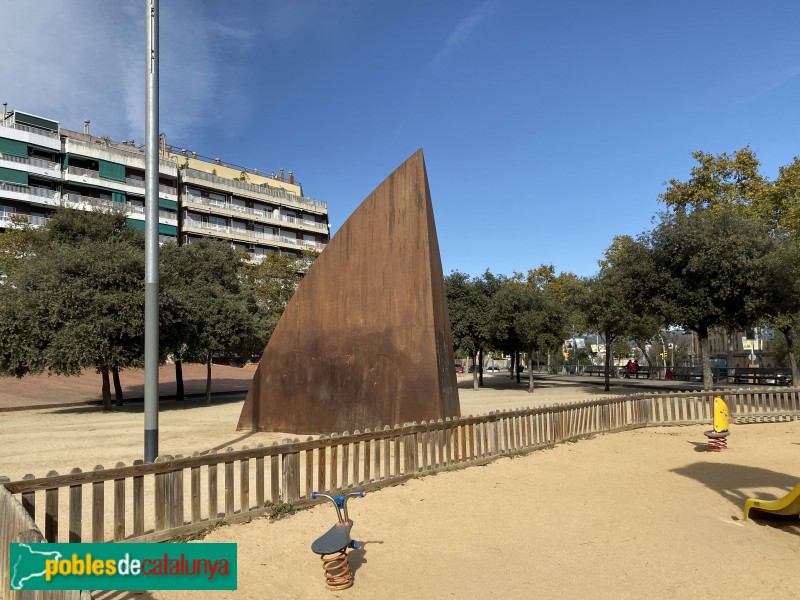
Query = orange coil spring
x=717 y=445
x=337 y=570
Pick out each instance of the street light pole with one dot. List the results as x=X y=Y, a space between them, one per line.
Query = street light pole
x=151 y=239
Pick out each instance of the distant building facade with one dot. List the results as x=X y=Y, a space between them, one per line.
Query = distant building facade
x=43 y=166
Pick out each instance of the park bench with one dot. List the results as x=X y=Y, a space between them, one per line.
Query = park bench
x=594 y=370
x=759 y=376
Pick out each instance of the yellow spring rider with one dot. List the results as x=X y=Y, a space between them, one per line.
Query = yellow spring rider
x=718 y=437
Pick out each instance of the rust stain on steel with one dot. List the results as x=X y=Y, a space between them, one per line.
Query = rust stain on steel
x=365 y=340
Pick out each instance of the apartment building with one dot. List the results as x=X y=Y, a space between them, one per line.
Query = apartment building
x=43 y=166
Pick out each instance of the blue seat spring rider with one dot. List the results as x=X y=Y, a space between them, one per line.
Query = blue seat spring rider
x=332 y=546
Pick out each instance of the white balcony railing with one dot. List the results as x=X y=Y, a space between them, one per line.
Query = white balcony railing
x=268 y=191
x=251 y=212
x=168 y=163
x=83 y=202
x=81 y=172
x=34 y=220
x=37 y=130
x=31 y=161
x=34 y=191
x=256 y=235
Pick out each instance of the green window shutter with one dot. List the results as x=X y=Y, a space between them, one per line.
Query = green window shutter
x=168 y=204
x=27 y=119
x=13 y=147
x=167 y=229
x=135 y=224
x=118 y=197
x=112 y=171
x=65 y=161
x=15 y=177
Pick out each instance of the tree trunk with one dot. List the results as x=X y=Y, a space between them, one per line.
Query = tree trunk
x=480 y=366
x=729 y=360
x=106 y=389
x=475 y=385
x=607 y=373
x=788 y=333
x=530 y=371
x=178 y=381
x=708 y=376
x=516 y=364
x=208 y=380
x=117 y=387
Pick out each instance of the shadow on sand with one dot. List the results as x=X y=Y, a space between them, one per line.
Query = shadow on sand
x=731 y=481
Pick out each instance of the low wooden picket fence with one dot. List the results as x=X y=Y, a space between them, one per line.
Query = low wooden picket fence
x=178 y=496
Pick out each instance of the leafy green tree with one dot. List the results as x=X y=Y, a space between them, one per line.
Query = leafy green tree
x=779 y=204
x=711 y=272
x=273 y=282
x=77 y=300
x=540 y=324
x=469 y=302
x=638 y=281
x=566 y=291
x=783 y=292
x=731 y=180
x=508 y=303
x=16 y=243
x=607 y=310
x=211 y=312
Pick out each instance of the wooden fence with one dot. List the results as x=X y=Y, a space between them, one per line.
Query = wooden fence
x=17 y=526
x=178 y=496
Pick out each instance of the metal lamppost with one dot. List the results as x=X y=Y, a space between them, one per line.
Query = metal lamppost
x=151 y=239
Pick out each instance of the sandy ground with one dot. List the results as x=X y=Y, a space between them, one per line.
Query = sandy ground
x=642 y=514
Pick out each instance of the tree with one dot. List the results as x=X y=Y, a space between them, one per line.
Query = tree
x=212 y=312
x=637 y=281
x=469 y=303
x=783 y=292
x=540 y=323
x=607 y=310
x=717 y=181
x=779 y=203
x=77 y=300
x=16 y=243
x=273 y=282
x=566 y=291
x=711 y=272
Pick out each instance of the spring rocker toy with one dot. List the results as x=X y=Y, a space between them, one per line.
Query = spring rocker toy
x=332 y=546
x=717 y=437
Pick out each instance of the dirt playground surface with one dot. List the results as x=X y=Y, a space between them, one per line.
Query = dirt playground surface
x=642 y=514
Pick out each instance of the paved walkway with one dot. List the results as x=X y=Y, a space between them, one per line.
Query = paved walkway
x=40 y=391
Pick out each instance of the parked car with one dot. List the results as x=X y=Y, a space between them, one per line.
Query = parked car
x=459 y=369
x=493 y=369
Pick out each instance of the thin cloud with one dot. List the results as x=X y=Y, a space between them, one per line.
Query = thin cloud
x=461 y=33
x=780 y=79
x=94 y=67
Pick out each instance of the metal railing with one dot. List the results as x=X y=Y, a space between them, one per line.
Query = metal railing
x=81 y=172
x=34 y=220
x=119 y=147
x=32 y=190
x=257 y=235
x=259 y=189
x=31 y=161
x=252 y=212
x=29 y=128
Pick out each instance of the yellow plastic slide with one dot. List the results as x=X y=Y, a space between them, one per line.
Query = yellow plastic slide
x=788 y=505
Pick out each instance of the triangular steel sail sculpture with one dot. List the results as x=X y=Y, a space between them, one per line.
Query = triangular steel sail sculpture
x=365 y=340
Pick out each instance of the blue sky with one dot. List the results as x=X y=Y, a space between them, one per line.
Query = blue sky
x=548 y=127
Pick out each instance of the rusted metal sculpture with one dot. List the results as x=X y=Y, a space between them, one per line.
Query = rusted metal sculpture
x=365 y=340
